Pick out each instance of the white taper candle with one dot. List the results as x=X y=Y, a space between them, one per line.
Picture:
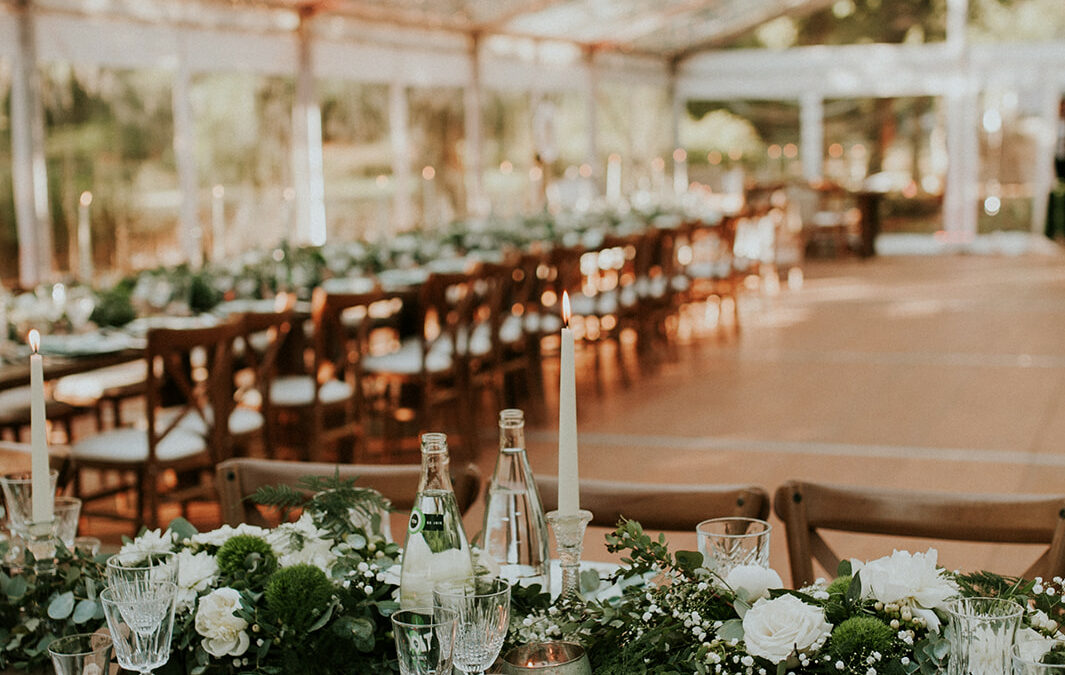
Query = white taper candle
x=568 y=475
x=42 y=493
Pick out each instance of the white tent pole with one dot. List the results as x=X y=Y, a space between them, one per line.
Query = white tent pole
x=30 y=173
x=307 y=174
x=957 y=23
x=398 y=123
x=191 y=230
x=677 y=100
x=963 y=168
x=812 y=135
x=592 y=94
x=1043 y=177
x=475 y=200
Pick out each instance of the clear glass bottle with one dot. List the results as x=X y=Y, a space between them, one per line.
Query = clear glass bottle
x=436 y=549
x=515 y=532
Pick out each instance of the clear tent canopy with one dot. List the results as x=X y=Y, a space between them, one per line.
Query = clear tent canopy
x=201 y=127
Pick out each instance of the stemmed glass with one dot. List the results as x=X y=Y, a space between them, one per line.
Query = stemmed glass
x=141 y=620
x=424 y=638
x=483 y=610
x=132 y=573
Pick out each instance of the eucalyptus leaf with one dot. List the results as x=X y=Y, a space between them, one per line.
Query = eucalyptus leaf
x=85 y=610
x=589 y=581
x=731 y=630
x=61 y=606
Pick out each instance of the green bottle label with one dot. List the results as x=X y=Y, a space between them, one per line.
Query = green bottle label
x=416 y=522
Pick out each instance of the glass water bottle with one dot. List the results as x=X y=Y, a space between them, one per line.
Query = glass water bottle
x=436 y=549
x=515 y=532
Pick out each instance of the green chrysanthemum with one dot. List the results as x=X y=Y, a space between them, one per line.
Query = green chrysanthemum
x=246 y=556
x=839 y=585
x=296 y=596
x=861 y=635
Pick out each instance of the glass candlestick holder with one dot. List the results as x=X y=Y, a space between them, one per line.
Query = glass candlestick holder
x=569 y=538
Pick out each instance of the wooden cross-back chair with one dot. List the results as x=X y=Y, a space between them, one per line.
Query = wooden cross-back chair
x=238 y=478
x=673 y=507
x=807 y=507
x=325 y=406
x=188 y=386
x=430 y=364
x=256 y=356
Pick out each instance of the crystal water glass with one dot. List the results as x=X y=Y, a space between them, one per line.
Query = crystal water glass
x=141 y=621
x=482 y=608
x=727 y=543
x=130 y=573
x=18 y=497
x=1028 y=657
x=425 y=637
x=82 y=654
x=980 y=635
x=67 y=514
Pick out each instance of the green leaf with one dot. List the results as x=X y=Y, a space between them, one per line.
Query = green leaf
x=16 y=588
x=85 y=610
x=731 y=630
x=61 y=607
x=854 y=590
x=183 y=529
x=844 y=569
x=689 y=560
x=323 y=619
x=589 y=581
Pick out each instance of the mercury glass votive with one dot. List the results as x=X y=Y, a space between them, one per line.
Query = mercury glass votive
x=547 y=658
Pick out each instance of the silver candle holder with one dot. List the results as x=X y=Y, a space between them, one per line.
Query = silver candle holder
x=569 y=538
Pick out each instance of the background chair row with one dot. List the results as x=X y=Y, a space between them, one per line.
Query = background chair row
x=805 y=508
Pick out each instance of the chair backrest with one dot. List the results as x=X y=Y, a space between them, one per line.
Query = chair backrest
x=660 y=506
x=238 y=478
x=15 y=458
x=195 y=366
x=342 y=325
x=1018 y=519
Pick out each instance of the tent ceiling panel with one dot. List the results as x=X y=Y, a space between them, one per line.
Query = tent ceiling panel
x=659 y=28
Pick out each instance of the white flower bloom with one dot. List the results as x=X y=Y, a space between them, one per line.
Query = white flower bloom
x=754 y=579
x=222 y=630
x=196 y=573
x=909 y=580
x=775 y=629
x=225 y=533
x=302 y=542
x=150 y=543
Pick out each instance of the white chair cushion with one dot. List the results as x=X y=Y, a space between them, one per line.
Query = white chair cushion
x=297 y=390
x=407 y=360
x=479 y=344
x=512 y=330
x=130 y=446
x=87 y=388
x=241 y=420
x=542 y=323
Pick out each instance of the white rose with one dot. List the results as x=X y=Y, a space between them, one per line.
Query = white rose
x=222 y=630
x=222 y=535
x=775 y=629
x=910 y=580
x=152 y=542
x=754 y=579
x=196 y=573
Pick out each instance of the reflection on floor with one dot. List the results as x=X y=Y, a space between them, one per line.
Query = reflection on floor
x=922 y=372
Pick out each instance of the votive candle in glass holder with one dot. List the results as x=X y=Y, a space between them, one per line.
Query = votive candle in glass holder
x=547 y=658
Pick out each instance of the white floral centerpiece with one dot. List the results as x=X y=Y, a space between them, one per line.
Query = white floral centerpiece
x=258 y=600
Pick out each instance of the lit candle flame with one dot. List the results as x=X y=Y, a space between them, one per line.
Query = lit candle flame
x=566 y=313
x=34 y=338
